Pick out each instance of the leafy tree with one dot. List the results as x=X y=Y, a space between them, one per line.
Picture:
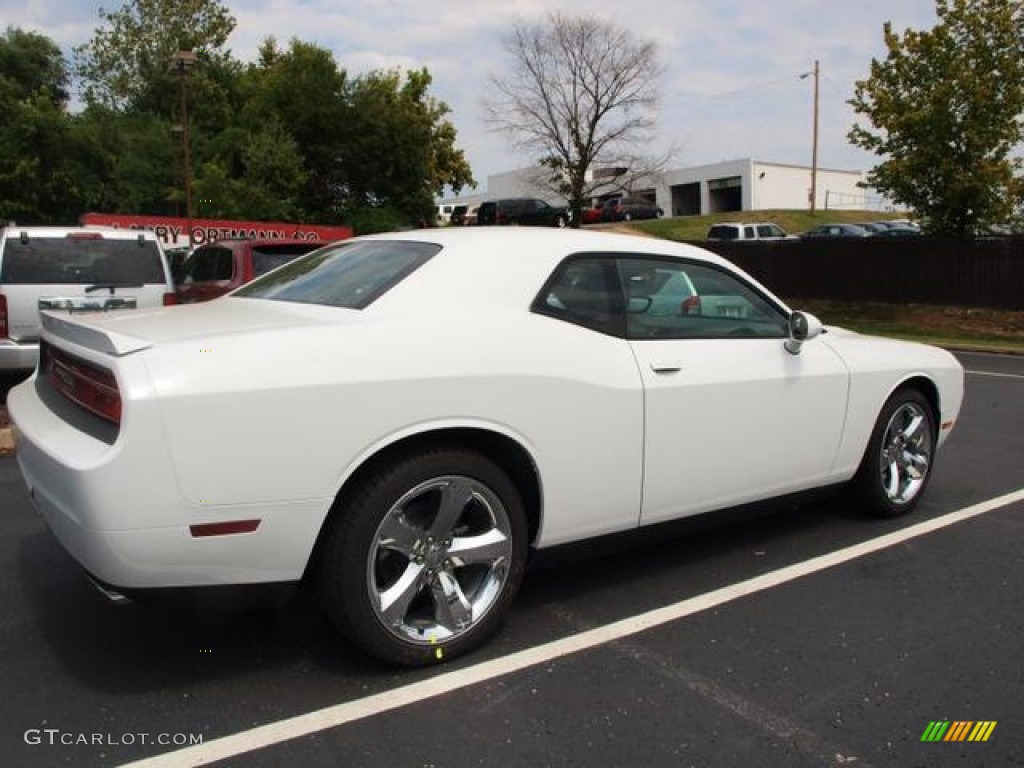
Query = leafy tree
x=36 y=185
x=400 y=151
x=127 y=65
x=947 y=106
x=303 y=89
x=374 y=142
x=33 y=66
x=263 y=183
x=580 y=92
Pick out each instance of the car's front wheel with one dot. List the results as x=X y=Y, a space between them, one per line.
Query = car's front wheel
x=424 y=561
x=897 y=464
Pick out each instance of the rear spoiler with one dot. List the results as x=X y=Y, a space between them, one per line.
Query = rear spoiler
x=78 y=331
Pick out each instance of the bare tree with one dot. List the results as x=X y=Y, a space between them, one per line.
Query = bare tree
x=580 y=93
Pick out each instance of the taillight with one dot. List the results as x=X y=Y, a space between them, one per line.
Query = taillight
x=690 y=306
x=92 y=387
x=3 y=316
x=170 y=299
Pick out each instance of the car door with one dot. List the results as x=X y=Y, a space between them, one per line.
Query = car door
x=729 y=415
x=208 y=273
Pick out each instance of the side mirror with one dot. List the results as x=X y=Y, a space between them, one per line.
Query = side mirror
x=637 y=305
x=803 y=326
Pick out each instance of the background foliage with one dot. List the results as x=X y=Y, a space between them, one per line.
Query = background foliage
x=291 y=136
x=946 y=108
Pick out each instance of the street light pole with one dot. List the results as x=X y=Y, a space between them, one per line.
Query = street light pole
x=182 y=62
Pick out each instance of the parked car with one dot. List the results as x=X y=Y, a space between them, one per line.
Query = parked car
x=219 y=267
x=526 y=211
x=838 y=230
x=892 y=229
x=592 y=215
x=629 y=208
x=734 y=230
x=444 y=214
x=72 y=269
x=458 y=217
x=452 y=399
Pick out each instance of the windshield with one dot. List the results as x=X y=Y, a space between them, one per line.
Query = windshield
x=350 y=274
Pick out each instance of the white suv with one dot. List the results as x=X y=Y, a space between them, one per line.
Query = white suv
x=72 y=270
x=735 y=230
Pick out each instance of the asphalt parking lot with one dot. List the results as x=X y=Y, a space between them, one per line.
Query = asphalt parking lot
x=777 y=645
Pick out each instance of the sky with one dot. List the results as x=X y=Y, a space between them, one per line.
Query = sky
x=731 y=85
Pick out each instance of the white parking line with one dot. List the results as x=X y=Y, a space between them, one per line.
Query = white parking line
x=351 y=711
x=993 y=373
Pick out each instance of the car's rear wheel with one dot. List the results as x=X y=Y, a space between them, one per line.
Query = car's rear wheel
x=897 y=464
x=422 y=564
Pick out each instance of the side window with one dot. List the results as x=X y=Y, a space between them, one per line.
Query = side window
x=670 y=299
x=749 y=233
x=209 y=264
x=583 y=291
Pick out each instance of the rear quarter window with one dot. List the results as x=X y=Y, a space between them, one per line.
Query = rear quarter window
x=350 y=275
x=71 y=260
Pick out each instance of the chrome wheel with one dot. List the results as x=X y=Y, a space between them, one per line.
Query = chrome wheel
x=439 y=560
x=906 y=453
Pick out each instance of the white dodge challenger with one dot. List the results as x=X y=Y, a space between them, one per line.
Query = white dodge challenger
x=401 y=419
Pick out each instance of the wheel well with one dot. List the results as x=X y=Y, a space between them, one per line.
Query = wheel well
x=927 y=388
x=502 y=450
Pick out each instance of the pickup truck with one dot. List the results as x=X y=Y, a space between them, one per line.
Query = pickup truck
x=217 y=268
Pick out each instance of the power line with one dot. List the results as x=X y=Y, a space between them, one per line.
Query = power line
x=749 y=89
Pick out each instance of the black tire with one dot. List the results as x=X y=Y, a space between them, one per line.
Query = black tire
x=898 y=460
x=391 y=541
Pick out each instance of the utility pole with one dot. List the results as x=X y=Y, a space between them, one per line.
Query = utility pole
x=814 y=145
x=181 y=63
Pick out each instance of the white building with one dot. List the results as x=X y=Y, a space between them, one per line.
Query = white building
x=733 y=185
x=754 y=185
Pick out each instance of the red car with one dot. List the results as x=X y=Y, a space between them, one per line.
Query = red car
x=216 y=268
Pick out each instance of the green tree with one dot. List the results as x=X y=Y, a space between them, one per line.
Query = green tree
x=303 y=89
x=946 y=106
x=127 y=65
x=259 y=176
x=400 y=149
x=580 y=92
x=374 y=149
x=36 y=183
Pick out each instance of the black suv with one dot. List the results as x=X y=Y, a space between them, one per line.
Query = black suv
x=526 y=211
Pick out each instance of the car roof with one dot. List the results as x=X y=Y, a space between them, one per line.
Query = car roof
x=493 y=267
x=110 y=233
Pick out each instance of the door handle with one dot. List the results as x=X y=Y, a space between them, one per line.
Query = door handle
x=666 y=367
